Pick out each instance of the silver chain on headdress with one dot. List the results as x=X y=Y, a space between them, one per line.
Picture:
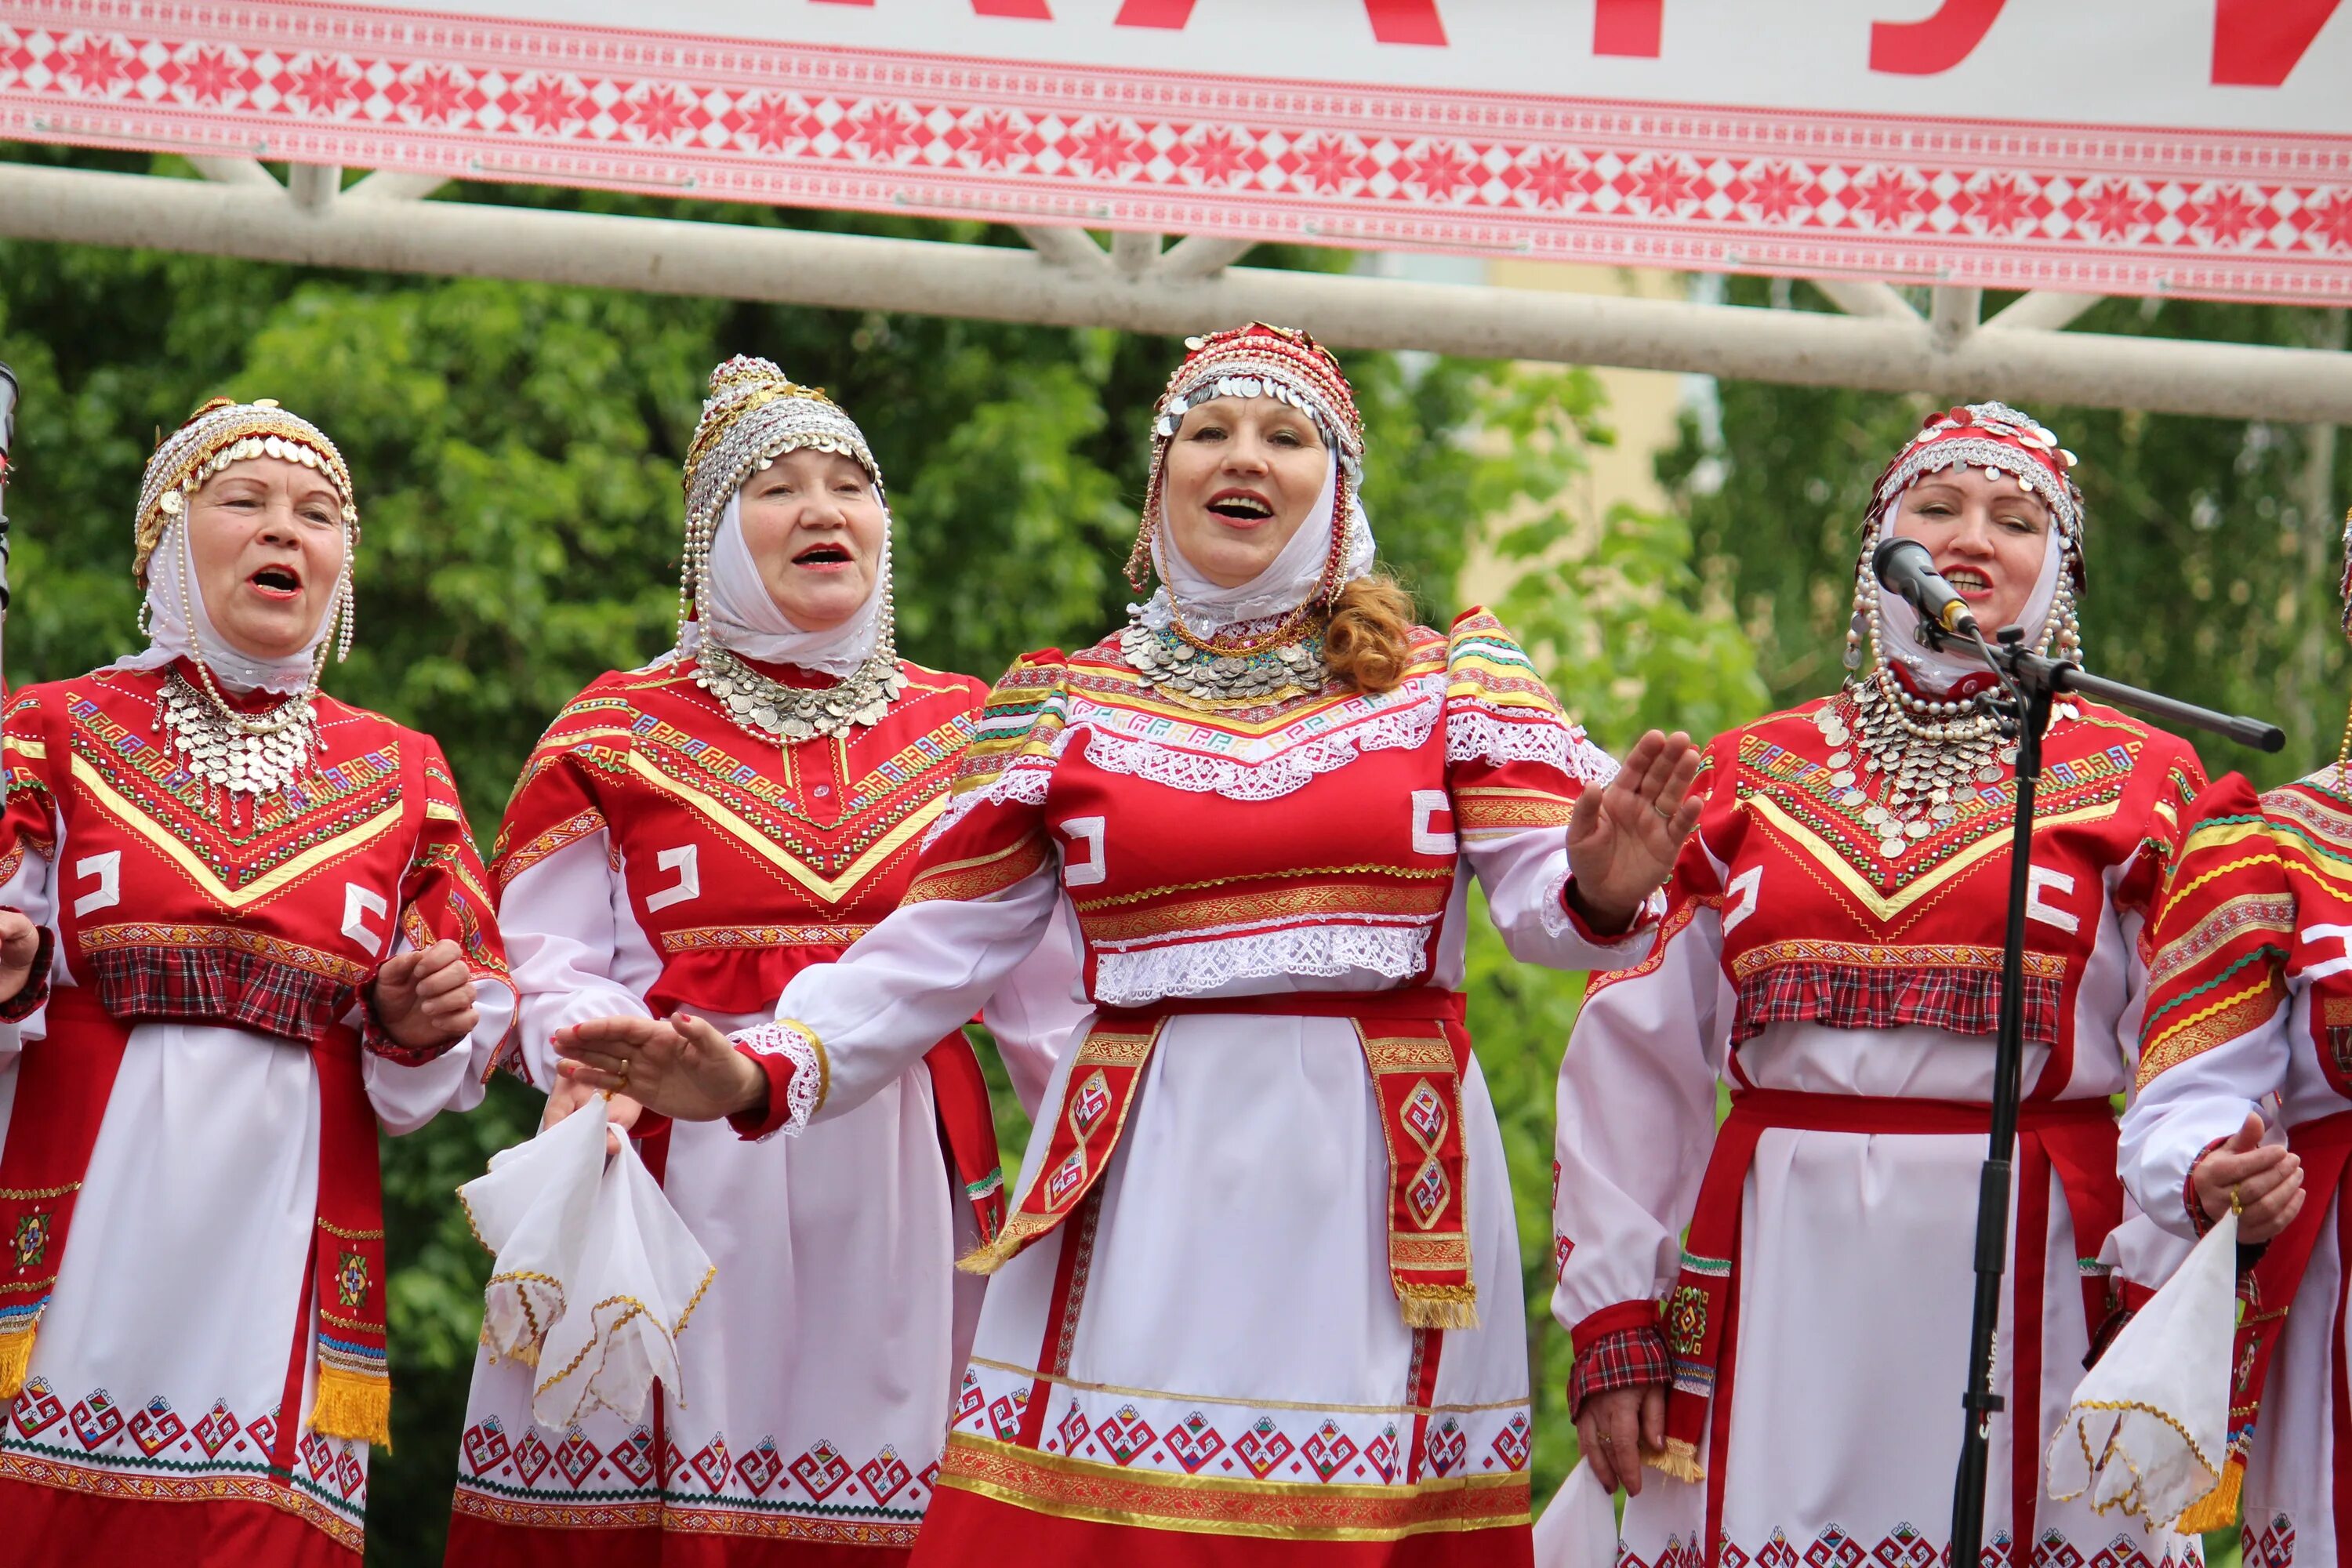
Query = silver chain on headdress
x=756 y=414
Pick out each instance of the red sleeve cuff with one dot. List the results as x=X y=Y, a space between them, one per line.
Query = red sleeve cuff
x=2199 y=1219
x=378 y=1041
x=1644 y=917
x=34 y=993
x=766 y=1121
x=1622 y=1358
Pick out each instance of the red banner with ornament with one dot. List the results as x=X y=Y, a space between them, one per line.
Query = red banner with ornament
x=2198 y=147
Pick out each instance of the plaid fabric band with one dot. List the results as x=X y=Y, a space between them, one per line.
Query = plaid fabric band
x=1846 y=997
x=140 y=985
x=1622 y=1358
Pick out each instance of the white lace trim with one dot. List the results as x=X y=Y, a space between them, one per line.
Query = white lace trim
x=1475 y=734
x=1282 y=768
x=1021 y=785
x=1553 y=911
x=1204 y=968
x=805 y=1090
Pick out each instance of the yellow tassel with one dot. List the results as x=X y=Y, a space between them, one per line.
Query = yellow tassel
x=1678 y=1459
x=355 y=1405
x=16 y=1359
x=986 y=1258
x=1439 y=1305
x=2217 y=1510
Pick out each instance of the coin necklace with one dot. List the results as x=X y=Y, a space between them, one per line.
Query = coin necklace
x=1921 y=759
x=1206 y=672
x=240 y=753
x=766 y=706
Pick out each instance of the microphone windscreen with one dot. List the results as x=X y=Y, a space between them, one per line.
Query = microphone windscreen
x=1910 y=552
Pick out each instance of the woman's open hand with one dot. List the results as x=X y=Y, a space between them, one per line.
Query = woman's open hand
x=1622 y=840
x=680 y=1067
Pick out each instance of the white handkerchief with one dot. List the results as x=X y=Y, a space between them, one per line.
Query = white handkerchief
x=1578 y=1527
x=595 y=1277
x=2149 y=1428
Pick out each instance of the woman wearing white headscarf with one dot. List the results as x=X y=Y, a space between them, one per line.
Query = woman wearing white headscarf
x=691 y=836
x=245 y=927
x=1775 y=1315
x=1259 y=1298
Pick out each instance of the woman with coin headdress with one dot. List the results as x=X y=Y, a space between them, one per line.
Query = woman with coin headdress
x=687 y=837
x=1259 y=1298
x=1790 y=1369
x=244 y=928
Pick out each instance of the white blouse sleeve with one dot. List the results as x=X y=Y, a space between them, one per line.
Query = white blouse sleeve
x=577 y=949
x=1038 y=1006
x=406 y=1098
x=850 y=1027
x=31 y=887
x=2176 y=1114
x=1637 y=1103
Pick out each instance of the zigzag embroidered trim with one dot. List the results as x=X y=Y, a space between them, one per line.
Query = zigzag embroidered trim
x=806 y=1088
x=1201 y=968
x=1280 y=774
x=1021 y=785
x=1472 y=734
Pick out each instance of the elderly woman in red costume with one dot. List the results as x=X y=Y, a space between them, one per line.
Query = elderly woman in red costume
x=1792 y=1366
x=2246 y=1097
x=691 y=836
x=1258 y=1301
x=247 y=928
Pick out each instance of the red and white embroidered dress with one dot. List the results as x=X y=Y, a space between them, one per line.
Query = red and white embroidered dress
x=1271 y=1170
x=207 y=1289
x=1813 y=1324
x=2250 y=1008
x=656 y=856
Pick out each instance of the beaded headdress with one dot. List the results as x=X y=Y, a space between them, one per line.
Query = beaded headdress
x=1259 y=361
x=2002 y=441
x=754 y=415
x=224 y=431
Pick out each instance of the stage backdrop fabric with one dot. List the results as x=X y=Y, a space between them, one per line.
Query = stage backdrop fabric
x=2200 y=147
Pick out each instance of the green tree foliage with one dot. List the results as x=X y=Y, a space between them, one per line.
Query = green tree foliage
x=2213 y=544
x=517 y=451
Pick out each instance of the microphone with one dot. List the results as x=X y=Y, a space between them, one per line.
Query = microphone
x=1903 y=567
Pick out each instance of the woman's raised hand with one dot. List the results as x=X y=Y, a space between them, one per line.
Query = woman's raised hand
x=680 y=1067
x=424 y=997
x=2265 y=1181
x=1623 y=840
x=20 y=945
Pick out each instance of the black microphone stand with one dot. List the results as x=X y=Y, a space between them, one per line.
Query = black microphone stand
x=2029 y=683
